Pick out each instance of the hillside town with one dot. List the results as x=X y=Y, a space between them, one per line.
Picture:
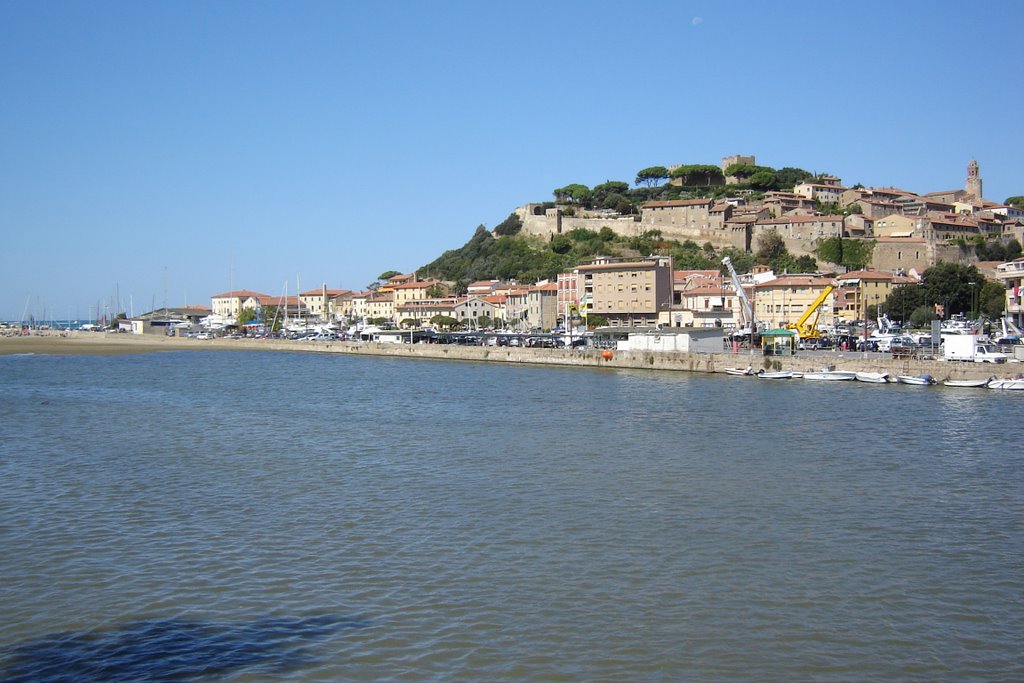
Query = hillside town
x=908 y=232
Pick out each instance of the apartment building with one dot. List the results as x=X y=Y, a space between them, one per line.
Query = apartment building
x=230 y=304
x=782 y=301
x=628 y=293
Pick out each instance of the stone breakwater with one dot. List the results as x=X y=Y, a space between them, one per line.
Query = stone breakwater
x=91 y=343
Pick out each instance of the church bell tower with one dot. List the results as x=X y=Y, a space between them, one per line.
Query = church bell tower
x=973 y=184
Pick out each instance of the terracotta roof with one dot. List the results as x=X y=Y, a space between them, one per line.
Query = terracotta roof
x=421 y=284
x=865 y=275
x=238 y=294
x=710 y=291
x=267 y=300
x=549 y=287
x=682 y=274
x=791 y=280
x=892 y=190
x=319 y=292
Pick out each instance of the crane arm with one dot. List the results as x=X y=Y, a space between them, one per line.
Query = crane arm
x=811 y=331
x=747 y=309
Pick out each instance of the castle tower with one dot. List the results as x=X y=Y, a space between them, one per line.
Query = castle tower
x=973 y=184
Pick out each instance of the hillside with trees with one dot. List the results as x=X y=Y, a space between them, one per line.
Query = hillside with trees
x=529 y=259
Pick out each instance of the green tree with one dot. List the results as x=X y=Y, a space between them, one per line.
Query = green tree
x=246 y=316
x=1015 y=201
x=922 y=317
x=610 y=188
x=762 y=180
x=407 y=323
x=949 y=284
x=594 y=321
x=387 y=275
x=510 y=226
x=857 y=253
x=561 y=244
x=573 y=194
x=770 y=246
x=830 y=249
x=806 y=264
x=905 y=299
x=992 y=299
x=651 y=176
x=444 y=322
x=698 y=174
x=742 y=261
x=435 y=291
x=787 y=178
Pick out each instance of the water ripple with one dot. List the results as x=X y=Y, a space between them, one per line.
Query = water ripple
x=188 y=516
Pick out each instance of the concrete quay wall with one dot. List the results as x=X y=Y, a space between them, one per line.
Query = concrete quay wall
x=640 y=360
x=89 y=343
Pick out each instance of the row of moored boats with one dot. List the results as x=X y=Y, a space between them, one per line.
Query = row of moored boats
x=826 y=375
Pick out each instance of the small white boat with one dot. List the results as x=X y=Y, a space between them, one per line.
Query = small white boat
x=830 y=375
x=922 y=380
x=873 y=377
x=781 y=374
x=740 y=371
x=966 y=383
x=1009 y=384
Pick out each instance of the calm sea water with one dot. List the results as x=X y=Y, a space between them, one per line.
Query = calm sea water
x=241 y=516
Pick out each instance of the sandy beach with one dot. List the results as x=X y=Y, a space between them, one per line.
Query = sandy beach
x=91 y=343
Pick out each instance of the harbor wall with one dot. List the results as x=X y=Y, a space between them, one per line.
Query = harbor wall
x=647 y=360
x=89 y=342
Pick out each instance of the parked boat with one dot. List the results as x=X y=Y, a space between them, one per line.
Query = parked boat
x=1009 y=384
x=740 y=371
x=967 y=383
x=830 y=375
x=873 y=377
x=781 y=374
x=917 y=380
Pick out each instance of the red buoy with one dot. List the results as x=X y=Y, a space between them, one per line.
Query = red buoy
x=607 y=355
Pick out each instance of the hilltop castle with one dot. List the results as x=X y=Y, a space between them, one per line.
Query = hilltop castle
x=910 y=231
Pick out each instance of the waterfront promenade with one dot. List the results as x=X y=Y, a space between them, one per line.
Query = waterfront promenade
x=91 y=343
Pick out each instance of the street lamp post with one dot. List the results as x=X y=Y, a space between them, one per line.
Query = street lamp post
x=973 y=289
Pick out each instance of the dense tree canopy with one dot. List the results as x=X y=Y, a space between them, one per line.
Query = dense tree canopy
x=1017 y=201
x=698 y=174
x=510 y=226
x=854 y=254
x=573 y=194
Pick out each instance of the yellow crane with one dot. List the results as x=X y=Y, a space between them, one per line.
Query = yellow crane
x=810 y=330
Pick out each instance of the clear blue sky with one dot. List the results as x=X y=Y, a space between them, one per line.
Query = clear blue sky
x=190 y=146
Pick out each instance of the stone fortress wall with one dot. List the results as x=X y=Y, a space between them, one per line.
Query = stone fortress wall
x=552 y=223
